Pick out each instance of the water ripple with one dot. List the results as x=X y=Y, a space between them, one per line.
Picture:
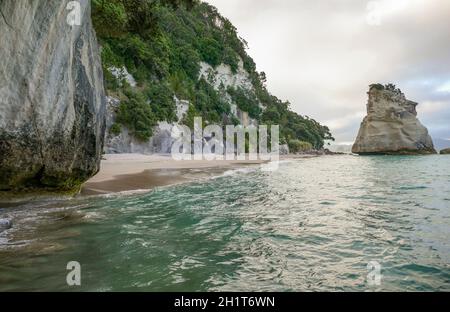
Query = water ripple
x=312 y=225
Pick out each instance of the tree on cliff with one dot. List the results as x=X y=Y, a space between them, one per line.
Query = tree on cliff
x=117 y=17
x=163 y=42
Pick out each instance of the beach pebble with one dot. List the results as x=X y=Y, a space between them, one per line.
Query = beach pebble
x=5 y=224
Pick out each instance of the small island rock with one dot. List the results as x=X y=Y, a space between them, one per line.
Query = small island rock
x=391 y=126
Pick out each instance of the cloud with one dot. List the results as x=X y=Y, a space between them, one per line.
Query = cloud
x=322 y=55
x=444 y=87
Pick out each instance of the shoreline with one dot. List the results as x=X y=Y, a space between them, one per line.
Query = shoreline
x=123 y=173
x=137 y=172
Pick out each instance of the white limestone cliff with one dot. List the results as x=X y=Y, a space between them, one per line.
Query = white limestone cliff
x=220 y=78
x=52 y=107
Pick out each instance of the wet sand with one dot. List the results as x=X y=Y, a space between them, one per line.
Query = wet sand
x=132 y=172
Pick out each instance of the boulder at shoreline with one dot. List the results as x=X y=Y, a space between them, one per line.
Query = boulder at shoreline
x=5 y=224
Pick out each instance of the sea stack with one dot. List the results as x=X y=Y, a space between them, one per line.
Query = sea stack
x=391 y=126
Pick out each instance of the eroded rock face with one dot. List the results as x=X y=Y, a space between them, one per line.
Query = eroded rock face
x=52 y=107
x=284 y=149
x=124 y=143
x=391 y=126
x=220 y=78
x=223 y=77
x=5 y=224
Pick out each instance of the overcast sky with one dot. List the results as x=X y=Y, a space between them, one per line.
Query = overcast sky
x=321 y=55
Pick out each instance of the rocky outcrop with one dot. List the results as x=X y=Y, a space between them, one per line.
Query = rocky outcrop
x=52 y=107
x=284 y=149
x=122 y=74
x=125 y=143
x=445 y=151
x=5 y=224
x=161 y=141
x=391 y=125
x=221 y=78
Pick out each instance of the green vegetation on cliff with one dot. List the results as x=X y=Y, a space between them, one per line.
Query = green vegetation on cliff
x=162 y=43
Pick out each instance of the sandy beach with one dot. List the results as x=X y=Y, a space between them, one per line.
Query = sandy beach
x=131 y=172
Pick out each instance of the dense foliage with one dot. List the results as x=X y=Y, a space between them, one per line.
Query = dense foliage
x=161 y=43
x=297 y=146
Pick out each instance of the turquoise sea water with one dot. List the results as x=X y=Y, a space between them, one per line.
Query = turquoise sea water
x=313 y=225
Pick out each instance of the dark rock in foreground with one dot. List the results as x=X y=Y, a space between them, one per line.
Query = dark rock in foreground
x=391 y=126
x=5 y=224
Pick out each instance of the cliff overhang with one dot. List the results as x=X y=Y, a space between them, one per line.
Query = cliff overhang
x=52 y=101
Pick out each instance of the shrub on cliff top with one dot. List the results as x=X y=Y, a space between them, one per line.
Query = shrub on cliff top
x=297 y=146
